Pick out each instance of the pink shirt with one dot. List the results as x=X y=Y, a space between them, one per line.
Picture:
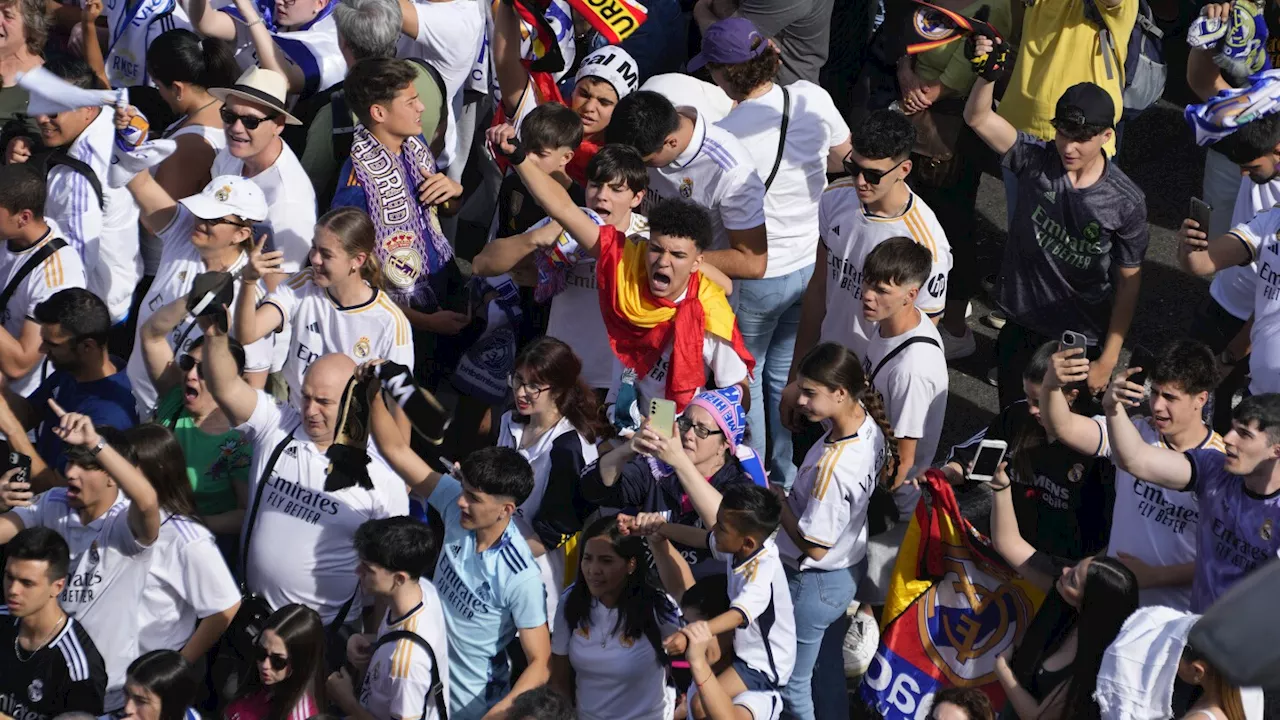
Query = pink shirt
x=258 y=707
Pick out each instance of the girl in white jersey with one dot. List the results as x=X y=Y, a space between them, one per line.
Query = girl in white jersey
x=555 y=425
x=606 y=641
x=334 y=306
x=189 y=597
x=824 y=546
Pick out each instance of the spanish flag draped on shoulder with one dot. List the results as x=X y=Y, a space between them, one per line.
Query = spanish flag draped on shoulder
x=954 y=605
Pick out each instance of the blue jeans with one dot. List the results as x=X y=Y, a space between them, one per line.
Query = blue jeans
x=820 y=599
x=769 y=318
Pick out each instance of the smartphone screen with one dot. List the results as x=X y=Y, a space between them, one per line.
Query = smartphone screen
x=988 y=460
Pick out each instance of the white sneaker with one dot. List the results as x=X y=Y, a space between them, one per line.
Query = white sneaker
x=957 y=347
x=860 y=643
x=996 y=319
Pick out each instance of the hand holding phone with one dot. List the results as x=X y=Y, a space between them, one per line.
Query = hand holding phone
x=1200 y=212
x=662 y=417
x=1071 y=340
x=987 y=461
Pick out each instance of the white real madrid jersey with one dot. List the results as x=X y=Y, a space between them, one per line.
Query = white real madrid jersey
x=375 y=329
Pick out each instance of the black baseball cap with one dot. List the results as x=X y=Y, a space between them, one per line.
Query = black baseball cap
x=1085 y=104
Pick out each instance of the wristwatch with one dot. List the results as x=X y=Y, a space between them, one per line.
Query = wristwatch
x=97 y=448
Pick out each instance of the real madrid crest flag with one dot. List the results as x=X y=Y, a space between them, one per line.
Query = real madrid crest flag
x=935 y=26
x=953 y=606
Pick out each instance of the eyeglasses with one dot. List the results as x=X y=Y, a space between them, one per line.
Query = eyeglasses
x=685 y=425
x=534 y=391
x=186 y=362
x=278 y=662
x=873 y=177
x=249 y=121
x=215 y=222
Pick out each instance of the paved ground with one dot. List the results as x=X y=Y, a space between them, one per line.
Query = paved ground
x=1159 y=154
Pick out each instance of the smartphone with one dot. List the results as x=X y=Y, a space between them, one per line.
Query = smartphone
x=990 y=454
x=264 y=228
x=1144 y=359
x=662 y=417
x=1200 y=211
x=1072 y=339
x=23 y=463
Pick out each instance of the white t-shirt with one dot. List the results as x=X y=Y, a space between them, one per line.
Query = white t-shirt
x=716 y=172
x=791 y=204
x=1259 y=235
x=1234 y=288
x=301 y=550
x=291 y=202
x=575 y=314
x=615 y=677
x=718 y=355
x=1157 y=525
x=376 y=329
x=850 y=234
x=188 y=581
x=711 y=102
x=104 y=588
x=399 y=675
x=761 y=704
x=758 y=588
x=59 y=271
x=180 y=263
x=449 y=36
x=914 y=387
x=106 y=236
x=830 y=498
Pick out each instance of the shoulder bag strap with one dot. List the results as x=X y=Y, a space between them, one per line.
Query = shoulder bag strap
x=437 y=687
x=81 y=167
x=896 y=351
x=782 y=137
x=257 y=500
x=33 y=262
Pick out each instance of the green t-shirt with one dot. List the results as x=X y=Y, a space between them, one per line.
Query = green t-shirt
x=214 y=462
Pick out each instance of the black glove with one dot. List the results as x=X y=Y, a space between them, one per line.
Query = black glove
x=516 y=156
x=993 y=65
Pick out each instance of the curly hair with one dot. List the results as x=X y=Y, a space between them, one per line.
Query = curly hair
x=35 y=23
x=741 y=78
x=884 y=134
x=682 y=219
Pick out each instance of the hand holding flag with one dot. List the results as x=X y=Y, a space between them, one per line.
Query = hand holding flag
x=986 y=50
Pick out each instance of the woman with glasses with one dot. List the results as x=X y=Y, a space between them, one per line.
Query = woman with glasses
x=289 y=660
x=680 y=470
x=217 y=455
x=160 y=685
x=555 y=425
x=824 y=518
x=189 y=597
x=336 y=305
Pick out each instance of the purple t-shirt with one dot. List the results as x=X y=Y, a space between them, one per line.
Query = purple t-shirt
x=1239 y=530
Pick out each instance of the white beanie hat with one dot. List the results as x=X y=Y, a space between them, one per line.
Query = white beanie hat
x=613 y=65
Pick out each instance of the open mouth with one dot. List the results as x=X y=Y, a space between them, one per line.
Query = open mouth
x=659 y=282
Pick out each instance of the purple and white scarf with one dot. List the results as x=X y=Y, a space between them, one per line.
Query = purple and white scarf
x=404 y=228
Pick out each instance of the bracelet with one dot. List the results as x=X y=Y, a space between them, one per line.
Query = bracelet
x=998 y=489
x=255 y=22
x=699 y=683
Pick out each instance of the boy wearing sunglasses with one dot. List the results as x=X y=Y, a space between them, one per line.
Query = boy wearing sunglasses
x=857 y=214
x=1077 y=228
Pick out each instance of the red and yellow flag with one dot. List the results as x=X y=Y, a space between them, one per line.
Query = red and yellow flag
x=615 y=20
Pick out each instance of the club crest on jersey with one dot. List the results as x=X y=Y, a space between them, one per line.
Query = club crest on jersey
x=1075 y=473
x=403 y=263
x=686 y=188
x=35 y=691
x=1265 y=531
x=182 y=276
x=362 y=348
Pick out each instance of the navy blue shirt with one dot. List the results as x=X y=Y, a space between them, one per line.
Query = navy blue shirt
x=108 y=401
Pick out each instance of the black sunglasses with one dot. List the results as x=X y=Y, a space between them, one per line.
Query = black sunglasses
x=278 y=662
x=186 y=362
x=685 y=424
x=873 y=177
x=215 y=222
x=250 y=122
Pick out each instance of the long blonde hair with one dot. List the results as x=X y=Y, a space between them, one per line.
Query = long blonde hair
x=354 y=230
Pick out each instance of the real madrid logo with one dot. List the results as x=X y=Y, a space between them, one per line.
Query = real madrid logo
x=1265 y=531
x=362 y=348
x=686 y=188
x=182 y=276
x=35 y=691
x=222 y=193
x=929 y=24
x=403 y=263
x=1075 y=473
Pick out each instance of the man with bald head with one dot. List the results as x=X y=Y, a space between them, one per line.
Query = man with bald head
x=300 y=548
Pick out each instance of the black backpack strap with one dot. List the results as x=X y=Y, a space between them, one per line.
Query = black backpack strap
x=344 y=129
x=39 y=256
x=782 y=137
x=81 y=167
x=253 y=509
x=437 y=687
x=898 y=350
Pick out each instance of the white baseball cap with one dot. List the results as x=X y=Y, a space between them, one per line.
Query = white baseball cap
x=228 y=195
x=613 y=65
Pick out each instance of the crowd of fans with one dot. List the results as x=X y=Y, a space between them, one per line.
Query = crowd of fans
x=400 y=359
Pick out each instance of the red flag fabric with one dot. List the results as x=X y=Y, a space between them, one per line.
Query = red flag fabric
x=936 y=26
x=615 y=20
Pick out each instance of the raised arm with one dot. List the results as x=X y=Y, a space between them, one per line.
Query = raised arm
x=1005 y=535
x=704 y=498
x=500 y=255
x=1162 y=466
x=994 y=130
x=270 y=55
x=153 y=339
x=144 y=504
x=1203 y=257
x=254 y=322
x=210 y=22
x=512 y=76
x=391 y=440
x=549 y=194
x=1077 y=432
x=92 y=49
x=236 y=397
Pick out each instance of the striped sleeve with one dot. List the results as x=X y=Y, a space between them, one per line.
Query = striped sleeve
x=826 y=512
